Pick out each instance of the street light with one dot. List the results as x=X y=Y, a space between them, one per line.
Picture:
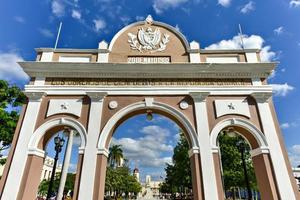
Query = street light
x=242 y=147
x=59 y=143
x=149 y=115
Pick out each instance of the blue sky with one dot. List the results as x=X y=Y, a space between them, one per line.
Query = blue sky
x=272 y=25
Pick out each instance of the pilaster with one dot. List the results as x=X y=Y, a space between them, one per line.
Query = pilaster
x=86 y=188
x=280 y=169
x=206 y=156
x=15 y=174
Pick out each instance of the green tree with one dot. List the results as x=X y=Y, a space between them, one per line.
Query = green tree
x=11 y=98
x=43 y=187
x=120 y=180
x=233 y=174
x=115 y=155
x=178 y=174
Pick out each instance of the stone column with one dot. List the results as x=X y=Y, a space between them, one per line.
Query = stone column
x=13 y=182
x=31 y=177
x=206 y=156
x=264 y=174
x=86 y=188
x=196 y=174
x=218 y=171
x=78 y=175
x=67 y=158
x=99 y=187
x=283 y=180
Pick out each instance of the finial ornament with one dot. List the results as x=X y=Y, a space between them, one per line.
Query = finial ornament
x=149 y=19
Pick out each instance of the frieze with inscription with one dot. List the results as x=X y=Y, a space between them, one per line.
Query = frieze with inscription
x=147 y=82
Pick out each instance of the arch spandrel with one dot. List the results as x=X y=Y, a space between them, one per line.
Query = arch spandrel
x=176 y=46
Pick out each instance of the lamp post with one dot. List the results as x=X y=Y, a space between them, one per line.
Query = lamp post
x=242 y=146
x=59 y=143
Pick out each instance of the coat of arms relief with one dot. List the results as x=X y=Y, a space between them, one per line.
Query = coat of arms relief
x=148 y=39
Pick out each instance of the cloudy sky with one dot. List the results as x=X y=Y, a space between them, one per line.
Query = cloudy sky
x=272 y=25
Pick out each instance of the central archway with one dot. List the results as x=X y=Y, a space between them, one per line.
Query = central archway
x=158 y=108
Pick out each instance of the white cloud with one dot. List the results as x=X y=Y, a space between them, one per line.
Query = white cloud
x=294 y=155
x=46 y=32
x=224 y=3
x=76 y=14
x=147 y=150
x=177 y=28
x=9 y=68
x=282 y=89
x=285 y=125
x=279 y=30
x=250 y=6
x=139 y=18
x=99 y=24
x=58 y=9
x=295 y=3
x=125 y=19
x=250 y=42
x=19 y=19
x=160 y=5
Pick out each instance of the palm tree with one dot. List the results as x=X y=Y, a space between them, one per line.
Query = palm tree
x=115 y=155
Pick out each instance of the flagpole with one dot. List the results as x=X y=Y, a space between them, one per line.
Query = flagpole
x=241 y=35
x=58 y=34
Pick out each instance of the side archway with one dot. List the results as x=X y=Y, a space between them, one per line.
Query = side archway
x=252 y=129
x=39 y=133
x=259 y=153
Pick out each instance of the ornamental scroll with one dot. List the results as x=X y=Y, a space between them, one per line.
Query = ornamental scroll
x=147 y=82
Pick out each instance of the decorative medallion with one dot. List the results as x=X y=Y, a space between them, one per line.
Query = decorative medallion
x=113 y=105
x=183 y=105
x=148 y=39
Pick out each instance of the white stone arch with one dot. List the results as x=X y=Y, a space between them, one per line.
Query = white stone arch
x=173 y=29
x=147 y=105
x=62 y=121
x=258 y=135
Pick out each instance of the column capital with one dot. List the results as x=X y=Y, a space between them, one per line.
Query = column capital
x=35 y=96
x=193 y=150
x=261 y=97
x=96 y=96
x=258 y=151
x=103 y=151
x=199 y=96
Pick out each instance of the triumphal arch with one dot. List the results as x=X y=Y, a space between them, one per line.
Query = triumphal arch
x=148 y=65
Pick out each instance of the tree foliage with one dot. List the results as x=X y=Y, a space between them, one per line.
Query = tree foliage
x=44 y=185
x=115 y=155
x=121 y=181
x=178 y=175
x=11 y=98
x=233 y=174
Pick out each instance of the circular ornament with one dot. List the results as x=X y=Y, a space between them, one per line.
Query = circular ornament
x=113 y=105
x=183 y=105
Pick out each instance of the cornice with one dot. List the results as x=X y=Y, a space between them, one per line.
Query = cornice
x=124 y=70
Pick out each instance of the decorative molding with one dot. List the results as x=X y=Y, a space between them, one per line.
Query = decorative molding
x=36 y=152
x=35 y=96
x=149 y=101
x=157 y=70
x=103 y=151
x=261 y=97
x=194 y=150
x=199 y=96
x=258 y=151
x=113 y=104
x=71 y=106
x=234 y=106
x=96 y=96
x=184 y=105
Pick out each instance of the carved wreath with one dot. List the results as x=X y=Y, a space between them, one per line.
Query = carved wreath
x=148 y=40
